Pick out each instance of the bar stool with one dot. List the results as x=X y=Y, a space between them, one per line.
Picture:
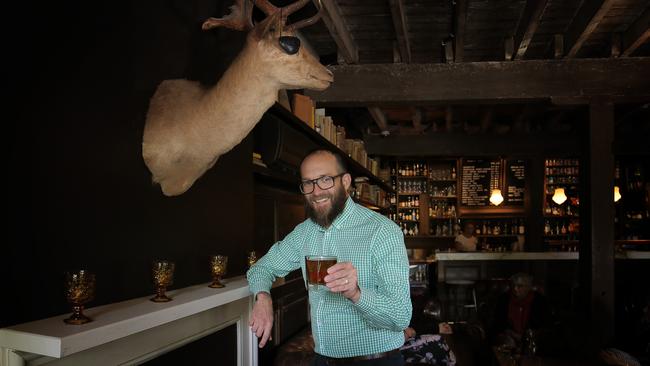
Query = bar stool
x=465 y=287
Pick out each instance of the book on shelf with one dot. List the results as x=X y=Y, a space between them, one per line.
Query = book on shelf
x=257 y=160
x=303 y=108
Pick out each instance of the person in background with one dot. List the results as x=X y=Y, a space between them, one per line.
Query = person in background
x=361 y=317
x=517 y=311
x=466 y=241
x=429 y=349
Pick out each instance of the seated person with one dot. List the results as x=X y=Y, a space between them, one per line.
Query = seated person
x=466 y=241
x=517 y=311
x=428 y=348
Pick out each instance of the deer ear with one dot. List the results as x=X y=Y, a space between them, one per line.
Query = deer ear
x=262 y=29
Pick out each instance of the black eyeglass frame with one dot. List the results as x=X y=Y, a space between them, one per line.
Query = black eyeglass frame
x=314 y=183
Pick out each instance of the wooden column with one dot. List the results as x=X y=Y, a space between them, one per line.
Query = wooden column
x=597 y=232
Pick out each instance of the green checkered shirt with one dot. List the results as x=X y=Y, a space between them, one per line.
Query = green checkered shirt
x=375 y=246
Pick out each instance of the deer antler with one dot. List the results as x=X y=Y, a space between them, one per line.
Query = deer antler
x=270 y=9
x=240 y=17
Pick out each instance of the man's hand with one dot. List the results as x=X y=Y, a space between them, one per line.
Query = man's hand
x=262 y=317
x=342 y=277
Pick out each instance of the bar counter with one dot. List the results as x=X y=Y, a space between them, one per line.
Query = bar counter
x=464 y=260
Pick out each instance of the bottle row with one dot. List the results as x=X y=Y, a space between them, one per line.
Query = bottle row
x=561 y=162
x=500 y=227
x=409 y=229
x=410 y=170
x=569 y=179
x=565 y=170
x=561 y=228
x=408 y=201
x=441 y=208
x=421 y=186
x=552 y=209
x=406 y=215
x=449 y=228
x=411 y=186
x=422 y=170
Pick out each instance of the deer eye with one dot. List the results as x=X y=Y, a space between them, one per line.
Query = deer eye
x=290 y=44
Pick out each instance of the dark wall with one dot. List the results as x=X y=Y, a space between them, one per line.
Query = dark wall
x=79 y=193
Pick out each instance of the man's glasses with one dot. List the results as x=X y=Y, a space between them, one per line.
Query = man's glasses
x=324 y=182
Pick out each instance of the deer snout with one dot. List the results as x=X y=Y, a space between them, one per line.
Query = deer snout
x=324 y=75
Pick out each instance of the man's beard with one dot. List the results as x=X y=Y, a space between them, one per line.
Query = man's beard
x=337 y=205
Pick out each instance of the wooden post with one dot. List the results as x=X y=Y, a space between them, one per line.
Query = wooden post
x=597 y=224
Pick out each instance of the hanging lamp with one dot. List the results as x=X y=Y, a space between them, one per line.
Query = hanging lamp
x=496 y=198
x=617 y=194
x=559 y=196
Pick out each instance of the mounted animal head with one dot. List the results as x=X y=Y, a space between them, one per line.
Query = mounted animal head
x=274 y=42
x=189 y=127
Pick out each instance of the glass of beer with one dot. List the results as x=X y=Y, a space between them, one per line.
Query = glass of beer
x=316 y=266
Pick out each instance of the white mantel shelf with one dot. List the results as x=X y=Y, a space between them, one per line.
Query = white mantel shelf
x=52 y=337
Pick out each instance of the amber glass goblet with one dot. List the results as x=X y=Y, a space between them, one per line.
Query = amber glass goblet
x=79 y=290
x=163 y=276
x=252 y=258
x=218 y=264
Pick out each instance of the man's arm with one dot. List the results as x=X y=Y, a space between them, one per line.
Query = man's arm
x=283 y=257
x=389 y=305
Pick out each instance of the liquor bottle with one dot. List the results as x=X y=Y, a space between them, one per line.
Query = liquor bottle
x=563 y=229
x=522 y=228
x=453 y=172
x=457 y=227
x=484 y=229
x=547 y=228
x=416 y=231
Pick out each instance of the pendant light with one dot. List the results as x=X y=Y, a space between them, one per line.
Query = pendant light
x=559 y=197
x=617 y=194
x=496 y=198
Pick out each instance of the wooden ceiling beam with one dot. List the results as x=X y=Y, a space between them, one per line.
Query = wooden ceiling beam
x=528 y=23
x=462 y=144
x=401 y=29
x=460 y=12
x=339 y=32
x=418 y=116
x=490 y=82
x=449 y=118
x=380 y=119
x=585 y=22
x=636 y=34
x=486 y=119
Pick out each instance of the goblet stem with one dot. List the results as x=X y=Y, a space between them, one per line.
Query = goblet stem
x=160 y=295
x=77 y=316
x=216 y=283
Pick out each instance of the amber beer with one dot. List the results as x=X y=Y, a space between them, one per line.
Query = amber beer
x=316 y=267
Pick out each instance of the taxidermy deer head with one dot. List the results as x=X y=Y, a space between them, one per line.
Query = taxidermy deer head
x=189 y=126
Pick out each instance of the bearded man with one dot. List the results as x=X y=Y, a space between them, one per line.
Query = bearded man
x=360 y=317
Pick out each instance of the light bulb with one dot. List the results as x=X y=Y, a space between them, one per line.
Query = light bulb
x=617 y=194
x=496 y=198
x=559 y=197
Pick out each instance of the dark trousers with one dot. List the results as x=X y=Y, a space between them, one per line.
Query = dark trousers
x=394 y=360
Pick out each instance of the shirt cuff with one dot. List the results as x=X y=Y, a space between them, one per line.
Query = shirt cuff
x=366 y=299
x=258 y=287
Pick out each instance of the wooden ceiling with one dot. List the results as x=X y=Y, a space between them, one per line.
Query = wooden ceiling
x=364 y=32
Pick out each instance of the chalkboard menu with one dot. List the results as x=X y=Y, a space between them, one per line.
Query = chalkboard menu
x=478 y=177
x=515 y=182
